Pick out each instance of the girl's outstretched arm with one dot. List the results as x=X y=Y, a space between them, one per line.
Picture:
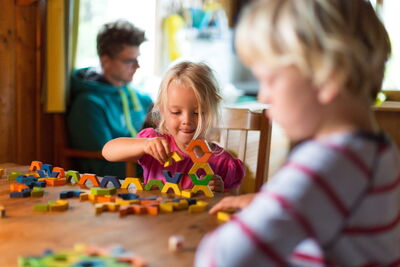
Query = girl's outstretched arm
x=132 y=149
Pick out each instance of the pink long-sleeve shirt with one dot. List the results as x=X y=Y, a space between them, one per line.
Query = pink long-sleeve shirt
x=222 y=163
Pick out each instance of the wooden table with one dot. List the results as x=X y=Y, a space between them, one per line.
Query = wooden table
x=25 y=232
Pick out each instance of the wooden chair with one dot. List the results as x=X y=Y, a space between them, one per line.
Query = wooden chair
x=237 y=125
x=65 y=155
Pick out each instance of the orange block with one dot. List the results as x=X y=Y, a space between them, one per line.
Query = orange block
x=18 y=187
x=151 y=210
x=35 y=165
x=60 y=170
x=56 y=181
x=91 y=177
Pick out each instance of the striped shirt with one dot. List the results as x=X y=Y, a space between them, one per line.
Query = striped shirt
x=335 y=202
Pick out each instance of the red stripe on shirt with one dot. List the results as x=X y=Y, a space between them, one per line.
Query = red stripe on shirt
x=324 y=186
x=385 y=188
x=307 y=257
x=288 y=207
x=260 y=244
x=352 y=157
x=372 y=230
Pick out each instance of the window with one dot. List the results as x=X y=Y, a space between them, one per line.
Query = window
x=93 y=14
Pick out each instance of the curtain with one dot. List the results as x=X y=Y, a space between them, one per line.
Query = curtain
x=61 y=41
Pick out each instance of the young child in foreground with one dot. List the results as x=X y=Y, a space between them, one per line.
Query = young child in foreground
x=187 y=107
x=336 y=201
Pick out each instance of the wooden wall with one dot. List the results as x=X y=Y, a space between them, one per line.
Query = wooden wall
x=25 y=130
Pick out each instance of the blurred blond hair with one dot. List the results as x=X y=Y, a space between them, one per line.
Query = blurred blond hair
x=343 y=39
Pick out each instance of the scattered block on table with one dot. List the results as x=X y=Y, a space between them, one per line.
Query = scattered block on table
x=60 y=171
x=18 y=187
x=99 y=191
x=203 y=188
x=175 y=243
x=128 y=196
x=58 y=205
x=125 y=210
x=110 y=179
x=102 y=199
x=186 y=193
x=84 y=197
x=55 y=181
x=135 y=181
x=13 y=176
x=42 y=173
x=91 y=177
x=2 y=211
x=196 y=208
x=202 y=203
x=197 y=181
x=170 y=186
x=70 y=194
x=154 y=182
x=37 y=192
x=175 y=179
x=152 y=209
x=102 y=207
x=166 y=207
x=205 y=148
x=35 y=165
x=127 y=202
x=23 y=194
x=149 y=202
x=41 y=207
x=2 y=171
x=181 y=205
x=72 y=175
x=47 y=168
x=224 y=216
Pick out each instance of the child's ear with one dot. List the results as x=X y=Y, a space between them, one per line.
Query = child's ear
x=330 y=89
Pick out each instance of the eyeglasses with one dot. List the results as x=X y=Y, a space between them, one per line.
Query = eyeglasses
x=130 y=62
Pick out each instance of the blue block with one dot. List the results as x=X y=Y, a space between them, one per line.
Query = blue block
x=54 y=174
x=39 y=184
x=149 y=198
x=70 y=194
x=24 y=193
x=175 y=179
x=128 y=196
x=41 y=173
x=113 y=179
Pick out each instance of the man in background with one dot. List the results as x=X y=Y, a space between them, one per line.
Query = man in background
x=104 y=105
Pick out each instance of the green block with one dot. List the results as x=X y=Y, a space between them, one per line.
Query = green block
x=72 y=175
x=13 y=176
x=37 y=192
x=41 y=207
x=99 y=191
x=150 y=183
x=195 y=179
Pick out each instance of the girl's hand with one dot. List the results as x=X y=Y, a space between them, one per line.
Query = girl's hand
x=216 y=184
x=236 y=202
x=158 y=148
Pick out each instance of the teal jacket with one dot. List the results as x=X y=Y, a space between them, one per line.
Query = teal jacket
x=96 y=115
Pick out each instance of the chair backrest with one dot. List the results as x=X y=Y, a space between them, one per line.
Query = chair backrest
x=241 y=127
x=65 y=155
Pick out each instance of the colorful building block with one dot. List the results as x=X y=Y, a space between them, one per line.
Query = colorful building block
x=201 y=165
x=99 y=191
x=196 y=208
x=107 y=179
x=35 y=165
x=170 y=179
x=24 y=193
x=13 y=176
x=18 y=187
x=60 y=171
x=58 y=205
x=47 y=168
x=91 y=177
x=135 y=181
x=197 y=181
x=205 y=148
x=154 y=182
x=170 y=186
x=72 y=176
x=70 y=194
x=37 y=192
x=128 y=196
x=102 y=207
x=203 y=188
x=186 y=193
x=41 y=207
x=55 y=181
x=166 y=207
x=2 y=211
x=2 y=171
x=174 y=156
